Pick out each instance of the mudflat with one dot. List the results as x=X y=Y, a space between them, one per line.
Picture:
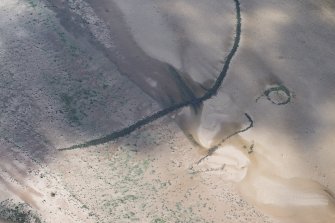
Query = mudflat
x=258 y=149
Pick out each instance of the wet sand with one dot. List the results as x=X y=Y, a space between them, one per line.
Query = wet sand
x=277 y=62
x=92 y=68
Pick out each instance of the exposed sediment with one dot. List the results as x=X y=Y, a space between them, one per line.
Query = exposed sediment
x=192 y=102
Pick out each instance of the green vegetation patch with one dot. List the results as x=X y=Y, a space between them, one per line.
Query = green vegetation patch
x=32 y=3
x=17 y=213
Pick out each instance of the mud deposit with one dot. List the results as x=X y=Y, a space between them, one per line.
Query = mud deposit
x=169 y=111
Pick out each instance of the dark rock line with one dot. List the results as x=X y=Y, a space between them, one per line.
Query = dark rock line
x=194 y=102
x=213 y=149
